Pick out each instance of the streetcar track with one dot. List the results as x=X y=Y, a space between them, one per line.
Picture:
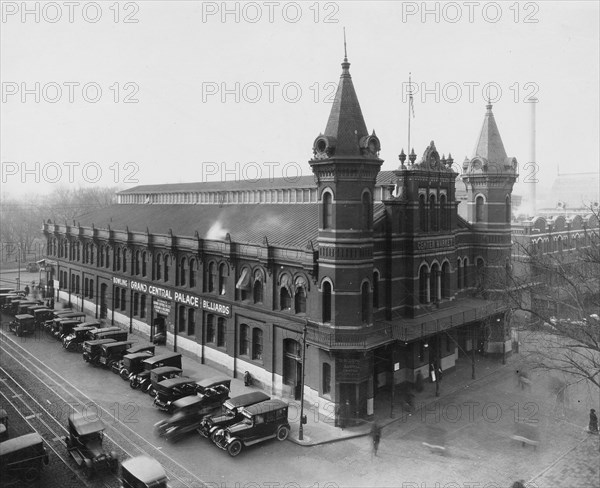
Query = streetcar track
x=39 y=419
x=63 y=383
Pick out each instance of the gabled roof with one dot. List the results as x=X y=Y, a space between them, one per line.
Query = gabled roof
x=346 y=123
x=489 y=144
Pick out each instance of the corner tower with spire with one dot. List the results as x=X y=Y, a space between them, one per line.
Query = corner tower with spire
x=345 y=164
x=489 y=177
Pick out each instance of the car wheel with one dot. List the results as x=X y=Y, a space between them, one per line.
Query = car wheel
x=234 y=448
x=152 y=392
x=282 y=433
x=146 y=388
x=124 y=373
x=132 y=384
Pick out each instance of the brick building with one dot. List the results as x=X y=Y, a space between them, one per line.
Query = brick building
x=375 y=272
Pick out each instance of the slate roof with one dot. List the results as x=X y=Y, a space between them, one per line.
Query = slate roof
x=489 y=145
x=346 y=123
x=285 y=225
x=575 y=191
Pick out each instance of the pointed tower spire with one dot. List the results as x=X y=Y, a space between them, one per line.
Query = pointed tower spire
x=489 y=145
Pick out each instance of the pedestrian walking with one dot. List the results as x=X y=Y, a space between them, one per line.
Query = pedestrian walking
x=523 y=379
x=26 y=290
x=593 y=425
x=375 y=438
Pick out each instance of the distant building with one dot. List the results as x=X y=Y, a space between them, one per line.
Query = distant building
x=377 y=268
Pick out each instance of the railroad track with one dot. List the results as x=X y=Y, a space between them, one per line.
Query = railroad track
x=127 y=442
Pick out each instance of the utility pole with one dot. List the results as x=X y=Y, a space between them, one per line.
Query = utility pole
x=301 y=427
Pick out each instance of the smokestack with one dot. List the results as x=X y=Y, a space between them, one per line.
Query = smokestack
x=532 y=160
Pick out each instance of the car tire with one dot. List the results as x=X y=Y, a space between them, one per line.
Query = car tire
x=30 y=474
x=146 y=388
x=131 y=385
x=124 y=374
x=234 y=448
x=282 y=433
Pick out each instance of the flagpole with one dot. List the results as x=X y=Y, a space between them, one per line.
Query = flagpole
x=409 y=102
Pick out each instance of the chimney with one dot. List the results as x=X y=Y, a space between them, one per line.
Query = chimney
x=532 y=161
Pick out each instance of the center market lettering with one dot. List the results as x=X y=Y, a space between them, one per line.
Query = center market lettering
x=437 y=244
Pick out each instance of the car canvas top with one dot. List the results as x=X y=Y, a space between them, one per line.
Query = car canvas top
x=91 y=323
x=145 y=469
x=166 y=369
x=213 y=381
x=247 y=399
x=23 y=316
x=18 y=443
x=84 y=426
x=161 y=357
x=135 y=355
x=116 y=344
x=170 y=383
x=99 y=342
x=266 y=406
x=186 y=401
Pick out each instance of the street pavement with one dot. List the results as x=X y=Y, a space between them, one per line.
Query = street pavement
x=472 y=421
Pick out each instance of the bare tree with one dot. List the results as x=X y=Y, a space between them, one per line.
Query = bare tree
x=555 y=297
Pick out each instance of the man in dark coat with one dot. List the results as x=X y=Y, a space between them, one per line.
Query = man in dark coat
x=593 y=427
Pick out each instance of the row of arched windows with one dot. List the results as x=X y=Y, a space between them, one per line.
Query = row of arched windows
x=433 y=217
x=251 y=342
x=366 y=214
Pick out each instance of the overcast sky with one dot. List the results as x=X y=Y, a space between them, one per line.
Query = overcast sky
x=280 y=62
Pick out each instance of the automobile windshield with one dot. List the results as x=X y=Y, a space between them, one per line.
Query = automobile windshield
x=247 y=419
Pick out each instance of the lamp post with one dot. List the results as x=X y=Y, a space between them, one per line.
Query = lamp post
x=301 y=428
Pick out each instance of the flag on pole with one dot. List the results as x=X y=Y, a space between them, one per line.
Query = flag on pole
x=411 y=103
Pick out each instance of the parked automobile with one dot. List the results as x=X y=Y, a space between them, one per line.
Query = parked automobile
x=143 y=472
x=168 y=359
x=117 y=335
x=91 y=350
x=24 y=305
x=112 y=353
x=262 y=421
x=132 y=363
x=212 y=391
x=84 y=444
x=66 y=326
x=231 y=412
x=74 y=341
x=23 y=324
x=157 y=375
x=7 y=298
x=56 y=314
x=145 y=348
x=32 y=308
x=22 y=458
x=40 y=316
x=55 y=326
x=95 y=333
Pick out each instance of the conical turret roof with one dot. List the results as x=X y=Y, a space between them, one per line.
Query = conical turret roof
x=346 y=123
x=489 y=145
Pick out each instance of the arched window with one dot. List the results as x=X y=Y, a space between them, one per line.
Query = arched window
x=123 y=299
x=167 y=265
x=327 y=211
x=222 y=279
x=364 y=294
x=459 y=275
x=107 y=249
x=285 y=301
x=507 y=210
x=257 y=344
x=137 y=263
x=101 y=255
x=85 y=286
x=422 y=213
x=77 y=283
x=212 y=277
x=143 y=264
x=192 y=273
x=479 y=201
x=183 y=272
x=326 y=301
x=124 y=260
x=118 y=260
x=433 y=223
x=257 y=291
x=443 y=213
x=466 y=273
x=300 y=300
x=158 y=266
x=445 y=280
x=375 y=290
x=210 y=328
x=326 y=379
x=117 y=295
x=366 y=210
x=423 y=285
x=91 y=288
x=136 y=298
x=143 y=306
x=434 y=288
x=244 y=342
